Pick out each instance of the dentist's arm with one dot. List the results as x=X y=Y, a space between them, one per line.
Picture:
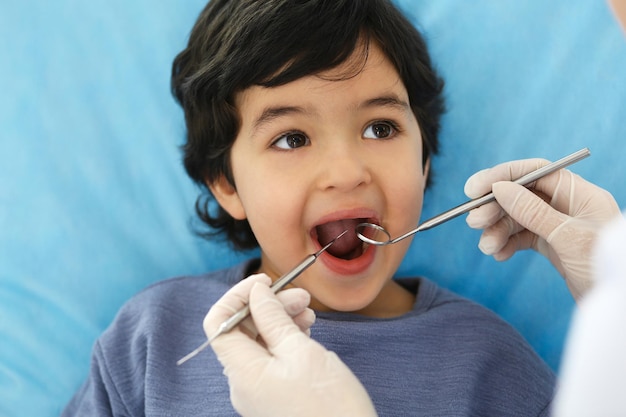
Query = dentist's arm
x=593 y=372
x=560 y=217
x=273 y=367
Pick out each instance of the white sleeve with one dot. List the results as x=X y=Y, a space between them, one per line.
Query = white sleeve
x=593 y=373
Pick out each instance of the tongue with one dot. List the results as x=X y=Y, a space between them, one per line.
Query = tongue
x=346 y=244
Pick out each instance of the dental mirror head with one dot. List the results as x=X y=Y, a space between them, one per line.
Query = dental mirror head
x=373 y=234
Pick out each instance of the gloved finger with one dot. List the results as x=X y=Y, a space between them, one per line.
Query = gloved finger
x=295 y=302
x=480 y=183
x=305 y=320
x=557 y=188
x=496 y=236
x=484 y=216
x=571 y=194
x=528 y=209
x=271 y=319
x=519 y=241
x=231 y=302
x=239 y=346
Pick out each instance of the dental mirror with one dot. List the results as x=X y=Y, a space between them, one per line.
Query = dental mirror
x=375 y=234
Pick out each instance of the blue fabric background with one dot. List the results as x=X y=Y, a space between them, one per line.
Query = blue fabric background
x=94 y=203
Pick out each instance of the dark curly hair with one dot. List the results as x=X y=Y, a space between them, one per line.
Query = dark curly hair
x=236 y=44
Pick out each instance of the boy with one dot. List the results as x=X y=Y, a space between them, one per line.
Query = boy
x=304 y=119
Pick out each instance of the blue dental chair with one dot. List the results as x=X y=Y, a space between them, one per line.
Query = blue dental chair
x=95 y=204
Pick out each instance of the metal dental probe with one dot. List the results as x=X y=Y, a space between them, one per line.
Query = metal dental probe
x=470 y=205
x=278 y=285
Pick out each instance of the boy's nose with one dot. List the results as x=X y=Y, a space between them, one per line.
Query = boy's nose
x=345 y=169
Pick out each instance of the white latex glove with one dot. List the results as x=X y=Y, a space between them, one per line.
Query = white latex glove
x=593 y=374
x=563 y=227
x=286 y=373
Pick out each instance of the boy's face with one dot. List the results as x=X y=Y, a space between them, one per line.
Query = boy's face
x=319 y=155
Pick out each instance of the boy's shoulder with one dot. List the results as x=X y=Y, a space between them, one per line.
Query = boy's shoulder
x=184 y=290
x=174 y=305
x=459 y=315
x=153 y=330
x=433 y=297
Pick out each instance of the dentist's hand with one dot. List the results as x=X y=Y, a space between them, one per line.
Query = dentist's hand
x=273 y=367
x=560 y=218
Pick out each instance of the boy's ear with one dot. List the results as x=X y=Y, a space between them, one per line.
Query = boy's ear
x=227 y=197
x=426 y=171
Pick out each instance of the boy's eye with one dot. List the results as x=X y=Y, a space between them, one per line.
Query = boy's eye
x=291 y=141
x=380 y=130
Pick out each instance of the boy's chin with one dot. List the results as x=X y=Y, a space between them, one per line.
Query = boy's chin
x=393 y=300
x=341 y=305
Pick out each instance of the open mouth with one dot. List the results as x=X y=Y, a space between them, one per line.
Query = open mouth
x=349 y=246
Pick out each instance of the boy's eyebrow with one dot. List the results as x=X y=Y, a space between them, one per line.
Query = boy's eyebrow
x=270 y=113
x=386 y=101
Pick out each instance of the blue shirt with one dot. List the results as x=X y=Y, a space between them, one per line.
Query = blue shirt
x=447 y=357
